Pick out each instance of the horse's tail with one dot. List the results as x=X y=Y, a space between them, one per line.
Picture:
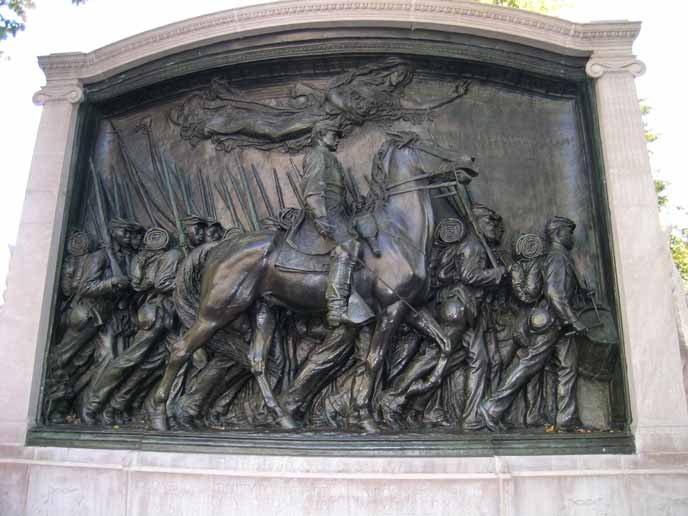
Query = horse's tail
x=187 y=293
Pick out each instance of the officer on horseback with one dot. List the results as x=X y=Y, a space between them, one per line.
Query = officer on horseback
x=325 y=197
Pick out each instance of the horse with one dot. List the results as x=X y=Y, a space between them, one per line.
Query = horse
x=241 y=274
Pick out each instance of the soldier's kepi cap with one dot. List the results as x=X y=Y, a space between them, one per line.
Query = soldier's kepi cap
x=194 y=220
x=213 y=222
x=119 y=223
x=557 y=222
x=323 y=126
x=480 y=210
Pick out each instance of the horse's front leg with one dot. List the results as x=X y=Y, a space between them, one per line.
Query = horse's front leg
x=258 y=356
x=425 y=323
x=387 y=325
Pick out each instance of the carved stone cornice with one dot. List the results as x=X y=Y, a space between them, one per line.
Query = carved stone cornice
x=68 y=91
x=443 y=15
x=596 y=67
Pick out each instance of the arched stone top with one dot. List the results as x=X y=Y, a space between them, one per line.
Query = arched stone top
x=517 y=26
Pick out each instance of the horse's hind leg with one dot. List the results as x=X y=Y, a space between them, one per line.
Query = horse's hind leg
x=199 y=333
x=258 y=355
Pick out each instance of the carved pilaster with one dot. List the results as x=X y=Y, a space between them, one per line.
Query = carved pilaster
x=643 y=264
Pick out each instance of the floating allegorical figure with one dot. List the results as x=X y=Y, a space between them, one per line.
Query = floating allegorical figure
x=552 y=324
x=152 y=273
x=372 y=92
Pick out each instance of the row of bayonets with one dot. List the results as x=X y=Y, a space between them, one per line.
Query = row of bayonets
x=176 y=189
x=169 y=179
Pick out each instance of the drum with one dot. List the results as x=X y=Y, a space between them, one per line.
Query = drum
x=598 y=348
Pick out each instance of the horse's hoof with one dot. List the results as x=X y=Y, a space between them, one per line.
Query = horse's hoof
x=369 y=426
x=287 y=422
x=185 y=421
x=156 y=415
x=88 y=417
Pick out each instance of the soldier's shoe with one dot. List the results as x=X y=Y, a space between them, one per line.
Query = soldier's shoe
x=185 y=421
x=108 y=416
x=491 y=422
x=390 y=406
x=472 y=425
x=88 y=416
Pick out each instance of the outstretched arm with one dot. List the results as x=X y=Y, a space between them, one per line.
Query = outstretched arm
x=411 y=102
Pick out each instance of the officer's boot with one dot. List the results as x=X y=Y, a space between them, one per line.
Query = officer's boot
x=342 y=262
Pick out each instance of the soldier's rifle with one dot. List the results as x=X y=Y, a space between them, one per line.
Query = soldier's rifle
x=177 y=221
x=226 y=197
x=240 y=198
x=278 y=187
x=105 y=234
x=463 y=199
x=254 y=219
x=295 y=189
x=263 y=193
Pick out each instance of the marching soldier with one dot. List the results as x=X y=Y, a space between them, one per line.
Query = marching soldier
x=550 y=329
x=465 y=277
x=152 y=273
x=94 y=294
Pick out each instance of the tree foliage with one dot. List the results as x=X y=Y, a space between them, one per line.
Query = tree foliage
x=678 y=239
x=13 y=16
x=538 y=6
x=678 y=243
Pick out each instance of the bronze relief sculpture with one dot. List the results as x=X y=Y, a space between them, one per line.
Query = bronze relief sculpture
x=376 y=299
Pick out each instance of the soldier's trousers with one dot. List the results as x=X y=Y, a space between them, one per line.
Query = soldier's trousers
x=540 y=349
x=319 y=366
x=209 y=384
x=144 y=376
x=115 y=372
x=477 y=373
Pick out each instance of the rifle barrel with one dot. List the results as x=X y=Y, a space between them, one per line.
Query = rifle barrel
x=263 y=193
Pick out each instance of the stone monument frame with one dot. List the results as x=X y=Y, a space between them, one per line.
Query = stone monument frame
x=659 y=425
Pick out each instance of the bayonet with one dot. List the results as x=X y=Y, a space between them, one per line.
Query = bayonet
x=263 y=193
x=278 y=187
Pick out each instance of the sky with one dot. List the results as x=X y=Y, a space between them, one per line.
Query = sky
x=58 y=26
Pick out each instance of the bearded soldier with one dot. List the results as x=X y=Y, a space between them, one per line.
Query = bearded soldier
x=324 y=194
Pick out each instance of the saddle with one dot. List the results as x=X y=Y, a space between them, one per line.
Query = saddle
x=304 y=249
